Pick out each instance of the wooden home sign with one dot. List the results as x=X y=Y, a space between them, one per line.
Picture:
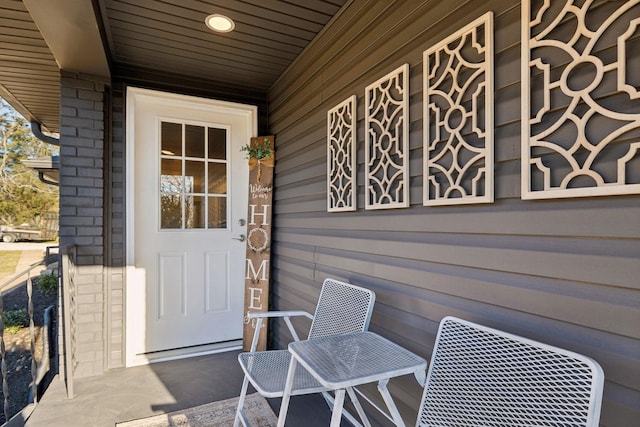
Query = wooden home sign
x=256 y=293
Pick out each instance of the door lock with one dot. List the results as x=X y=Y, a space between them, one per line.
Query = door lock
x=241 y=222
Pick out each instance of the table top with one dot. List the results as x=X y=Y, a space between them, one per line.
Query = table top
x=341 y=361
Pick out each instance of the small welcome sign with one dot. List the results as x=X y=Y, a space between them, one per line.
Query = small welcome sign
x=260 y=153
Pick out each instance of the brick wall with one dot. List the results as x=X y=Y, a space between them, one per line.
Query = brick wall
x=82 y=208
x=116 y=234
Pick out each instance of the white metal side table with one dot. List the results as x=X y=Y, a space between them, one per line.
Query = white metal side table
x=341 y=362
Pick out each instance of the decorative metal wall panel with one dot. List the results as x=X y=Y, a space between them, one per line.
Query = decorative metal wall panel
x=458 y=117
x=580 y=98
x=387 y=141
x=341 y=156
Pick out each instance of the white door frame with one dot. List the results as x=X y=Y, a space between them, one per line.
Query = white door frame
x=134 y=332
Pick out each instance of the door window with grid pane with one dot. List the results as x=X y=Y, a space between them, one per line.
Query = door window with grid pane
x=193 y=176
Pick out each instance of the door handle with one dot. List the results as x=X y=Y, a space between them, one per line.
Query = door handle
x=241 y=237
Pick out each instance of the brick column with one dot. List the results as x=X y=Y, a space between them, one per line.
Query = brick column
x=81 y=208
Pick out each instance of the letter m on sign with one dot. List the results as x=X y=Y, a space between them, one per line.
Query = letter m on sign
x=263 y=270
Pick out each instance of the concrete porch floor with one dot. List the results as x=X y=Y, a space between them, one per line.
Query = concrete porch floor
x=142 y=391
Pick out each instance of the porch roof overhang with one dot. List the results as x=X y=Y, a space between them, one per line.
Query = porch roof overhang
x=95 y=37
x=47 y=168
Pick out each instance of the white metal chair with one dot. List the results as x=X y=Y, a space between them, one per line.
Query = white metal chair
x=341 y=309
x=480 y=376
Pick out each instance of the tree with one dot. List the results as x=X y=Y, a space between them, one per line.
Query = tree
x=23 y=198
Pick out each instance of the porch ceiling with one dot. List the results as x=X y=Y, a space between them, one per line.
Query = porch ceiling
x=97 y=36
x=29 y=76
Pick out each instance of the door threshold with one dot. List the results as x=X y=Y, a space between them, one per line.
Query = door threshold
x=186 y=352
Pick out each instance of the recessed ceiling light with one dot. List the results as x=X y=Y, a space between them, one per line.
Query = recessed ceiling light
x=219 y=23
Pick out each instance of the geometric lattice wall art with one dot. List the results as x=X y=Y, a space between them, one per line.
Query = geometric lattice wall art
x=341 y=156
x=387 y=141
x=458 y=117
x=580 y=98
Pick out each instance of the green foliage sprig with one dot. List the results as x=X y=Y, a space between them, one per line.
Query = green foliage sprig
x=47 y=283
x=15 y=319
x=258 y=150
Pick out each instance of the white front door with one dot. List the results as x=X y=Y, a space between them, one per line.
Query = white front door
x=187 y=203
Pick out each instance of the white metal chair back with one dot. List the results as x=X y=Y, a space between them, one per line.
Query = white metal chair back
x=480 y=376
x=342 y=308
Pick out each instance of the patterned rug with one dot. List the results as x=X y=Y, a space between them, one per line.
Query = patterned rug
x=215 y=414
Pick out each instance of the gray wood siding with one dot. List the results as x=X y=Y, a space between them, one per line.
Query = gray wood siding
x=565 y=272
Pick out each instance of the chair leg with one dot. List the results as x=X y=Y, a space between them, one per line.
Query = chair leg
x=243 y=395
x=286 y=395
x=336 y=414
